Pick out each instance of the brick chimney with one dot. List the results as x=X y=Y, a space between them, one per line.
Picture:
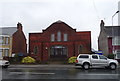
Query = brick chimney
x=19 y=26
x=102 y=25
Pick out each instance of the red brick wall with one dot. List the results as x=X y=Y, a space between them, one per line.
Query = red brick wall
x=19 y=42
x=75 y=39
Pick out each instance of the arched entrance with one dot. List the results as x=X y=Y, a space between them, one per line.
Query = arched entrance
x=58 y=51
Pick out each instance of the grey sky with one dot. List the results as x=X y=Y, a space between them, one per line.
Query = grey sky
x=35 y=15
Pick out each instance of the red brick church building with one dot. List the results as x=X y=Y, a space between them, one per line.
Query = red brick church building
x=59 y=40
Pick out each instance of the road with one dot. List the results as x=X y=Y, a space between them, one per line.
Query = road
x=59 y=72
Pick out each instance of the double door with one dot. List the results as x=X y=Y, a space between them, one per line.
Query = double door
x=58 y=52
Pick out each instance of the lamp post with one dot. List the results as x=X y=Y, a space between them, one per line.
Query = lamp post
x=113 y=49
x=113 y=16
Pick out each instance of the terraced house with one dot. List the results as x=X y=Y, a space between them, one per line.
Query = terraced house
x=12 y=41
x=109 y=40
x=58 y=42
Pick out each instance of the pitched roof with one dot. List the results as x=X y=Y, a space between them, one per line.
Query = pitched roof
x=112 y=30
x=8 y=30
x=59 y=25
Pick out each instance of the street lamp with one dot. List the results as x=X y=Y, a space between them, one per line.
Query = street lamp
x=113 y=16
x=113 y=34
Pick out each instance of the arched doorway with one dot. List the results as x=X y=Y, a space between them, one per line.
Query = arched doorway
x=58 y=51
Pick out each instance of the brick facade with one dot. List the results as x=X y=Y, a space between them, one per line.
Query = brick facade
x=19 y=45
x=59 y=40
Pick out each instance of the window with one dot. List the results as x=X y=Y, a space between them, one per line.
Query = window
x=117 y=54
x=1 y=52
x=35 y=50
x=7 y=40
x=80 y=49
x=1 y=40
x=65 y=37
x=6 y=52
x=59 y=36
x=4 y=40
x=116 y=40
x=58 y=50
x=94 y=56
x=83 y=56
x=102 y=57
x=52 y=37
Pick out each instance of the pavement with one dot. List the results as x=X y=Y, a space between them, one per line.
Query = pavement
x=45 y=65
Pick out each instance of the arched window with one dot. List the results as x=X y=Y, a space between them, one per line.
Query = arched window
x=80 y=48
x=35 y=51
x=65 y=37
x=52 y=37
x=59 y=36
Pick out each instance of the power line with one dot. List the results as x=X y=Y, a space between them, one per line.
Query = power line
x=96 y=10
x=111 y=8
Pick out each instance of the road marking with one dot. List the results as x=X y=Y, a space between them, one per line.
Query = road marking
x=31 y=73
x=42 y=73
x=102 y=74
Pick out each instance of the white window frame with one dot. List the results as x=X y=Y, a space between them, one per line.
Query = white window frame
x=116 y=40
x=117 y=52
x=6 y=52
x=1 y=40
x=6 y=40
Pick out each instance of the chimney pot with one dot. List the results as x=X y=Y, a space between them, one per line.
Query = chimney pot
x=19 y=26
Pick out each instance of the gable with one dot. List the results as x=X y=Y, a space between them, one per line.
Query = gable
x=59 y=26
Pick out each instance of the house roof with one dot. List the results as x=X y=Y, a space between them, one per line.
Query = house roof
x=8 y=30
x=59 y=25
x=112 y=30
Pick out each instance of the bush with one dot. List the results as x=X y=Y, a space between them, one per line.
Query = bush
x=111 y=56
x=15 y=59
x=72 y=59
x=28 y=59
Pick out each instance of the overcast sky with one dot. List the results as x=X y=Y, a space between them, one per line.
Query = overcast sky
x=35 y=15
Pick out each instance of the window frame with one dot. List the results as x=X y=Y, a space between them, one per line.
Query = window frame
x=105 y=58
x=2 y=40
x=52 y=37
x=84 y=56
x=65 y=37
x=35 y=50
x=94 y=56
x=6 y=52
x=58 y=36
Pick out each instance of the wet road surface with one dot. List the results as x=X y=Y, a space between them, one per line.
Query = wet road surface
x=54 y=73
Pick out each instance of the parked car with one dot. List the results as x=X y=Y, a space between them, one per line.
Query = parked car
x=4 y=63
x=87 y=60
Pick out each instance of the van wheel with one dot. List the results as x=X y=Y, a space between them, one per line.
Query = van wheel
x=86 y=66
x=112 y=66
